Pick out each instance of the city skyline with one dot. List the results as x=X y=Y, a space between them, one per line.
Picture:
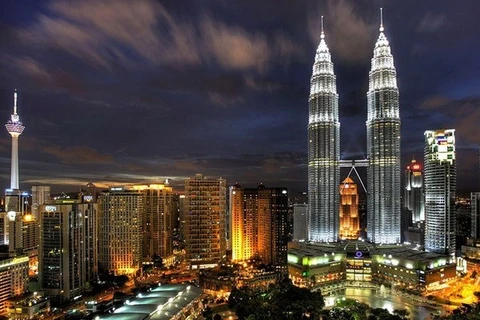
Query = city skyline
x=220 y=89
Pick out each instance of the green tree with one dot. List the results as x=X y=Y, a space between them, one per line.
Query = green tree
x=402 y=313
x=465 y=312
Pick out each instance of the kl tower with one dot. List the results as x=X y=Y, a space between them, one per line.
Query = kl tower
x=15 y=128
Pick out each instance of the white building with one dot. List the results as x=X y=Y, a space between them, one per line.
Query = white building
x=440 y=188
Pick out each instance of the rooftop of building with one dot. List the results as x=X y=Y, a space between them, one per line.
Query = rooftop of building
x=28 y=299
x=161 y=303
x=349 y=248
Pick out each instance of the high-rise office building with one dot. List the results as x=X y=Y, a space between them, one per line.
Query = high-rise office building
x=205 y=213
x=349 y=217
x=440 y=188
x=300 y=222
x=68 y=247
x=15 y=127
x=121 y=213
x=383 y=146
x=157 y=221
x=259 y=224
x=323 y=148
x=413 y=196
x=475 y=207
x=40 y=195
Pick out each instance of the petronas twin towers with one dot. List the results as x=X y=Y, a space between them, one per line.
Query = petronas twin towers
x=383 y=148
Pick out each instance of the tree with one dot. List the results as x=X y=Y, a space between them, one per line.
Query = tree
x=121 y=280
x=207 y=313
x=465 y=312
x=402 y=313
x=217 y=317
x=157 y=261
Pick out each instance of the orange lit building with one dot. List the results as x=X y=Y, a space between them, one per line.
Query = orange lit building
x=349 y=218
x=158 y=220
x=258 y=220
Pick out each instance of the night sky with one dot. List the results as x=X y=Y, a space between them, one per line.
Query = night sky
x=119 y=92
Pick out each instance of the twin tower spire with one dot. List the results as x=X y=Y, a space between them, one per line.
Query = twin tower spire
x=383 y=147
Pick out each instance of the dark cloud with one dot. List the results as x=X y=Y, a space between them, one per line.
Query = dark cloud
x=431 y=23
x=348 y=34
x=126 y=92
x=462 y=115
x=78 y=154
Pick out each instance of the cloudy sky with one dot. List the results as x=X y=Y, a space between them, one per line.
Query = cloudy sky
x=114 y=91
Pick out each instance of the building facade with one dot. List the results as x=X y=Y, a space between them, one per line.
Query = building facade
x=205 y=214
x=323 y=149
x=121 y=213
x=383 y=147
x=413 y=193
x=259 y=224
x=349 y=218
x=440 y=191
x=300 y=222
x=319 y=265
x=68 y=247
x=13 y=279
x=158 y=220
x=40 y=195
x=475 y=207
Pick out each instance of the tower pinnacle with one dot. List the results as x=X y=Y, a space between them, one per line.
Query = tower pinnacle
x=322 y=36
x=381 y=20
x=15 y=102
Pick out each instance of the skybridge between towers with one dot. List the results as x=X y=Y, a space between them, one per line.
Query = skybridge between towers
x=352 y=164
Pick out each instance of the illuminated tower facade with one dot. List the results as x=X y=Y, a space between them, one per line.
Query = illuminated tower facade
x=121 y=212
x=383 y=147
x=259 y=224
x=15 y=128
x=205 y=219
x=157 y=222
x=440 y=189
x=413 y=193
x=323 y=149
x=349 y=218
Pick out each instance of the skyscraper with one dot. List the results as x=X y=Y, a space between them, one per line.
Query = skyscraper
x=121 y=212
x=259 y=224
x=68 y=247
x=323 y=148
x=157 y=222
x=413 y=193
x=440 y=188
x=475 y=201
x=349 y=218
x=15 y=127
x=383 y=146
x=205 y=214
